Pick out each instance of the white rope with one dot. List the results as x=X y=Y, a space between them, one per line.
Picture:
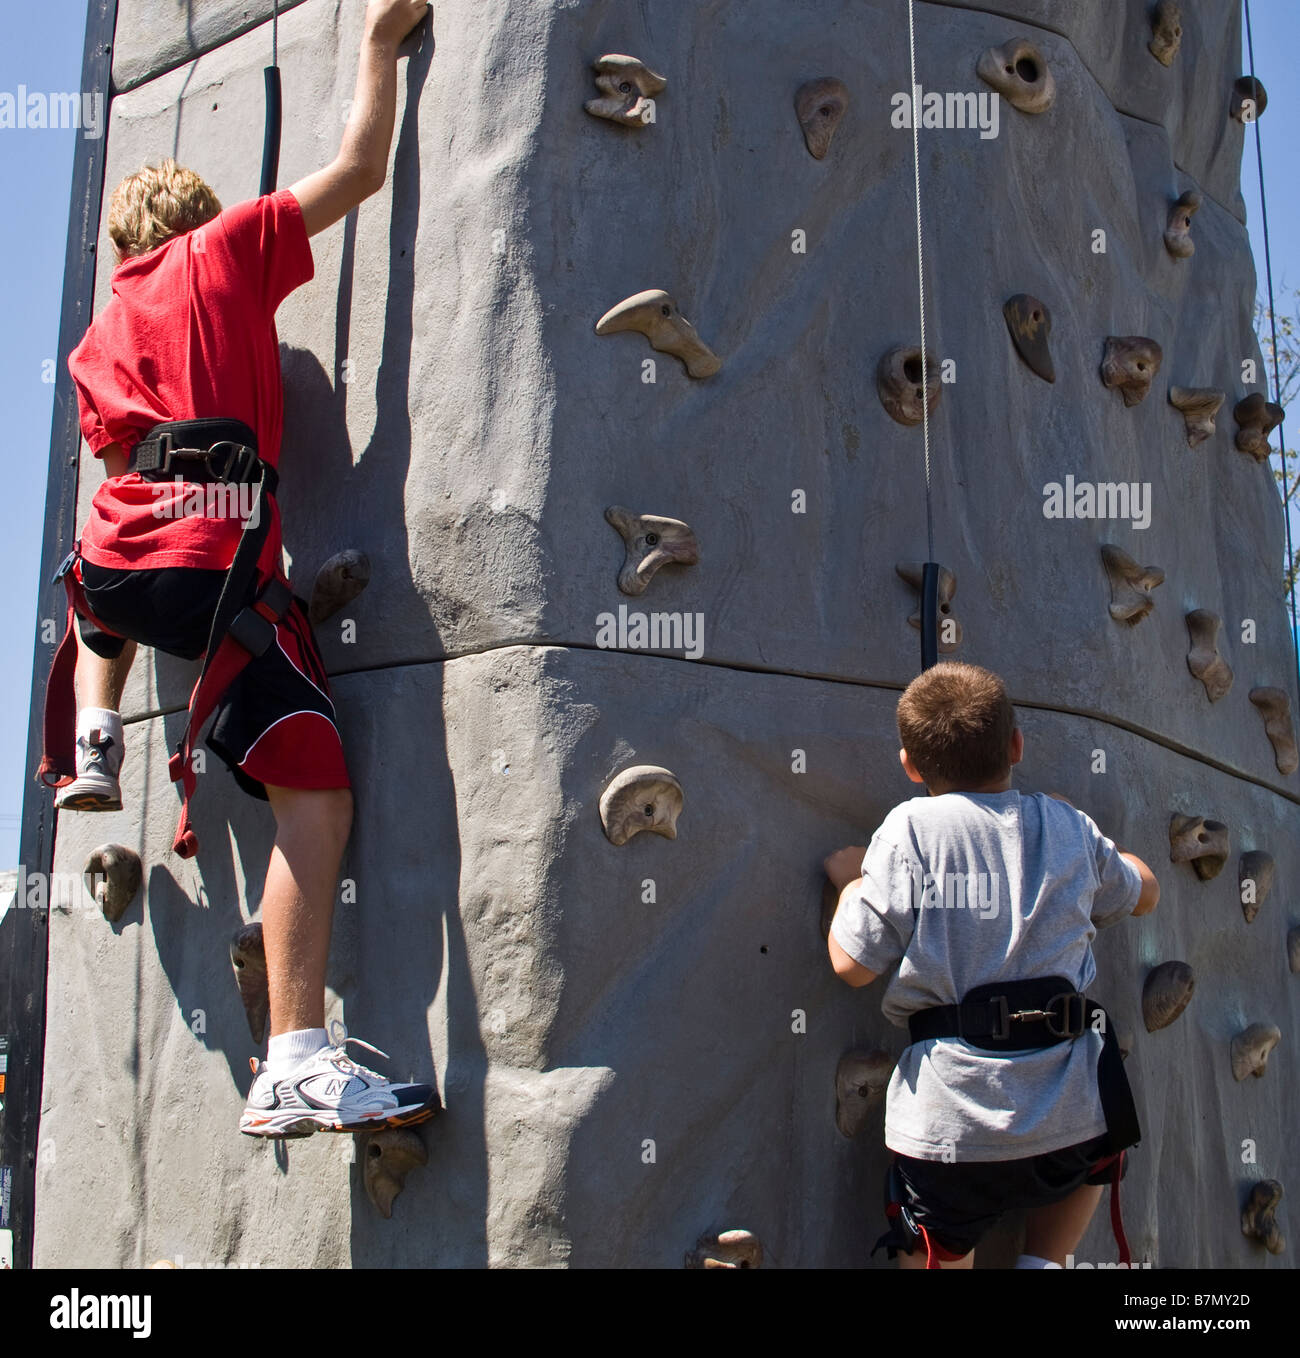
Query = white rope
x=275 y=32
x=920 y=277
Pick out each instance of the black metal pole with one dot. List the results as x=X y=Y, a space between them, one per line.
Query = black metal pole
x=930 y=615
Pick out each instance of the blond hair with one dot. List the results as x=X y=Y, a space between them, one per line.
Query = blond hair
x=155 y=204
x=956 y=723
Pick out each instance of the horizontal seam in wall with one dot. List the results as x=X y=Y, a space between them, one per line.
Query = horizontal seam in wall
x=1175 y=747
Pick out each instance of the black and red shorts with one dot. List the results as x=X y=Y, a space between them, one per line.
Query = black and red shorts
x=275 y=724
x=958 y=1203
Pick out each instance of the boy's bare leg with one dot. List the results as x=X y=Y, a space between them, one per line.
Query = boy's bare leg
x=917 y=1260
x=100 y=682
x=1054 y=1231
x=312 y=827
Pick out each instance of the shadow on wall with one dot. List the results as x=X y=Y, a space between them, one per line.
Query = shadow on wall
x=387 y=961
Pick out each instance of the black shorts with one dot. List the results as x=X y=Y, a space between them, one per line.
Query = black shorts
x=275 y=724
x=959 y=1203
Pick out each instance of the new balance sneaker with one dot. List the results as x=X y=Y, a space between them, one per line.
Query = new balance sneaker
x=330 y=1092
x=99 y=761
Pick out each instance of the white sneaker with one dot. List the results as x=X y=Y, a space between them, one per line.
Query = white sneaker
x=99 y=761
x=329 y=1092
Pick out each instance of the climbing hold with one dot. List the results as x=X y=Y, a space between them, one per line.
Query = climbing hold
x=1199 y=406
x=1249 y=99
x=1258 y=869
x=1166 y=992
x=113 y=875
x=949 y=628
x=1203 y=659
x=1129 y=364
x=1250 y=1049
x=338 y=582
x=1124 y=1041
x=655 y=315
x=390 y=1156
x=1178 y=229
x=652 y=542
x=1166 y=32
x=860 y=1080
x=1259 y=1219
x=1130 y=585
x=1030 y=323
x=898 y=380
x=644 y=797
x=1256 y=419
x=1019 y=73
x=248 y=957
x=1275 y=707
x=1204 y=844
x=820 y=104
x=727 y=1249
x=627 y=87
x=1293 y=950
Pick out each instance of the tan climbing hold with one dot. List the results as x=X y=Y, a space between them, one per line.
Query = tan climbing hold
x=860 y=1082
x=950 y=632
x=1124 y=1041
x=338 y=582
x=1130 y=585
x=820 y=105
x=1275 y=707
x=1255 y=872
x=1256 y=419
x=651 y=542
x=627 y=87
x=1178 y=228
x=1259 y=1218
x=1203 y=658
x=1293 y=950
x=1250 y=1049
x=1166 y=992
x=1166 y=32
x=1205 y=844
x=389 y=1157
x=1249 y=99
x=248 y=957
x=654 y=314
x=1020 y=74
x=727 y=1249
x=113 y=875
x=1199 y=406
x=1129 y=365
x=1030 y=324
x=898 y=382
x=643 y=798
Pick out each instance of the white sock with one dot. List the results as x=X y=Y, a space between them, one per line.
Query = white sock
x=108 y=721
x=286 y=1050
x=1033 y=1261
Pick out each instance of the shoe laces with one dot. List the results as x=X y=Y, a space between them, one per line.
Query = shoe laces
x=338 y=1056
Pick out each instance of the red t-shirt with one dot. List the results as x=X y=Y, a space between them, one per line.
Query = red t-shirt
x=189 y=334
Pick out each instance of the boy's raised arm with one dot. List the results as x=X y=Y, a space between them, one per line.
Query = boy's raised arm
x=361 y=165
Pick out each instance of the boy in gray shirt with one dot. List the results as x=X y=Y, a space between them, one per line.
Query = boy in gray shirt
x=988 y=900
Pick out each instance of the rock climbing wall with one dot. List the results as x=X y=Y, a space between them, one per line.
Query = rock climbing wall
x=638 y=1043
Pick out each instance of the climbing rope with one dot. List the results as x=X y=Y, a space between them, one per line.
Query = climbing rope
x=930 y=572
x=271 y=138
x=1272 y=320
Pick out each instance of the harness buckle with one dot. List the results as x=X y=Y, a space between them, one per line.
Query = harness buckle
x=64 y=566
x=1074 y=1004
x=1002 y=1020
x=153 y=454
x=239 y=462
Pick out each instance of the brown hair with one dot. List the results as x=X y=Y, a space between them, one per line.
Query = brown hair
x=956 y=723
x=156 y=203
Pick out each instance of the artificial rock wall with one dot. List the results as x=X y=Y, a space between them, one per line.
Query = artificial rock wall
x=452 y=413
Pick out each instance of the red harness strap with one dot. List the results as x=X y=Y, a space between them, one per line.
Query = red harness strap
x=1116 y=1162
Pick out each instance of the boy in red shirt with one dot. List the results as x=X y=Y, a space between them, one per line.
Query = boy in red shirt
x=187 y=347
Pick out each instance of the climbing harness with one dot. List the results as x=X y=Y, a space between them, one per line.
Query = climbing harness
x=221 y=451
x=930 y=571
x=1277 y=383
x=271 y=136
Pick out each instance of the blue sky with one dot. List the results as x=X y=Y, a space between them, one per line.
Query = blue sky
x=42 y=50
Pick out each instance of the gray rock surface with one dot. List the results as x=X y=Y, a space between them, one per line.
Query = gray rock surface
x=470 y=448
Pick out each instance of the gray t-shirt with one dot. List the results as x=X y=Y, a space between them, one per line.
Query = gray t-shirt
x=962 y=890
